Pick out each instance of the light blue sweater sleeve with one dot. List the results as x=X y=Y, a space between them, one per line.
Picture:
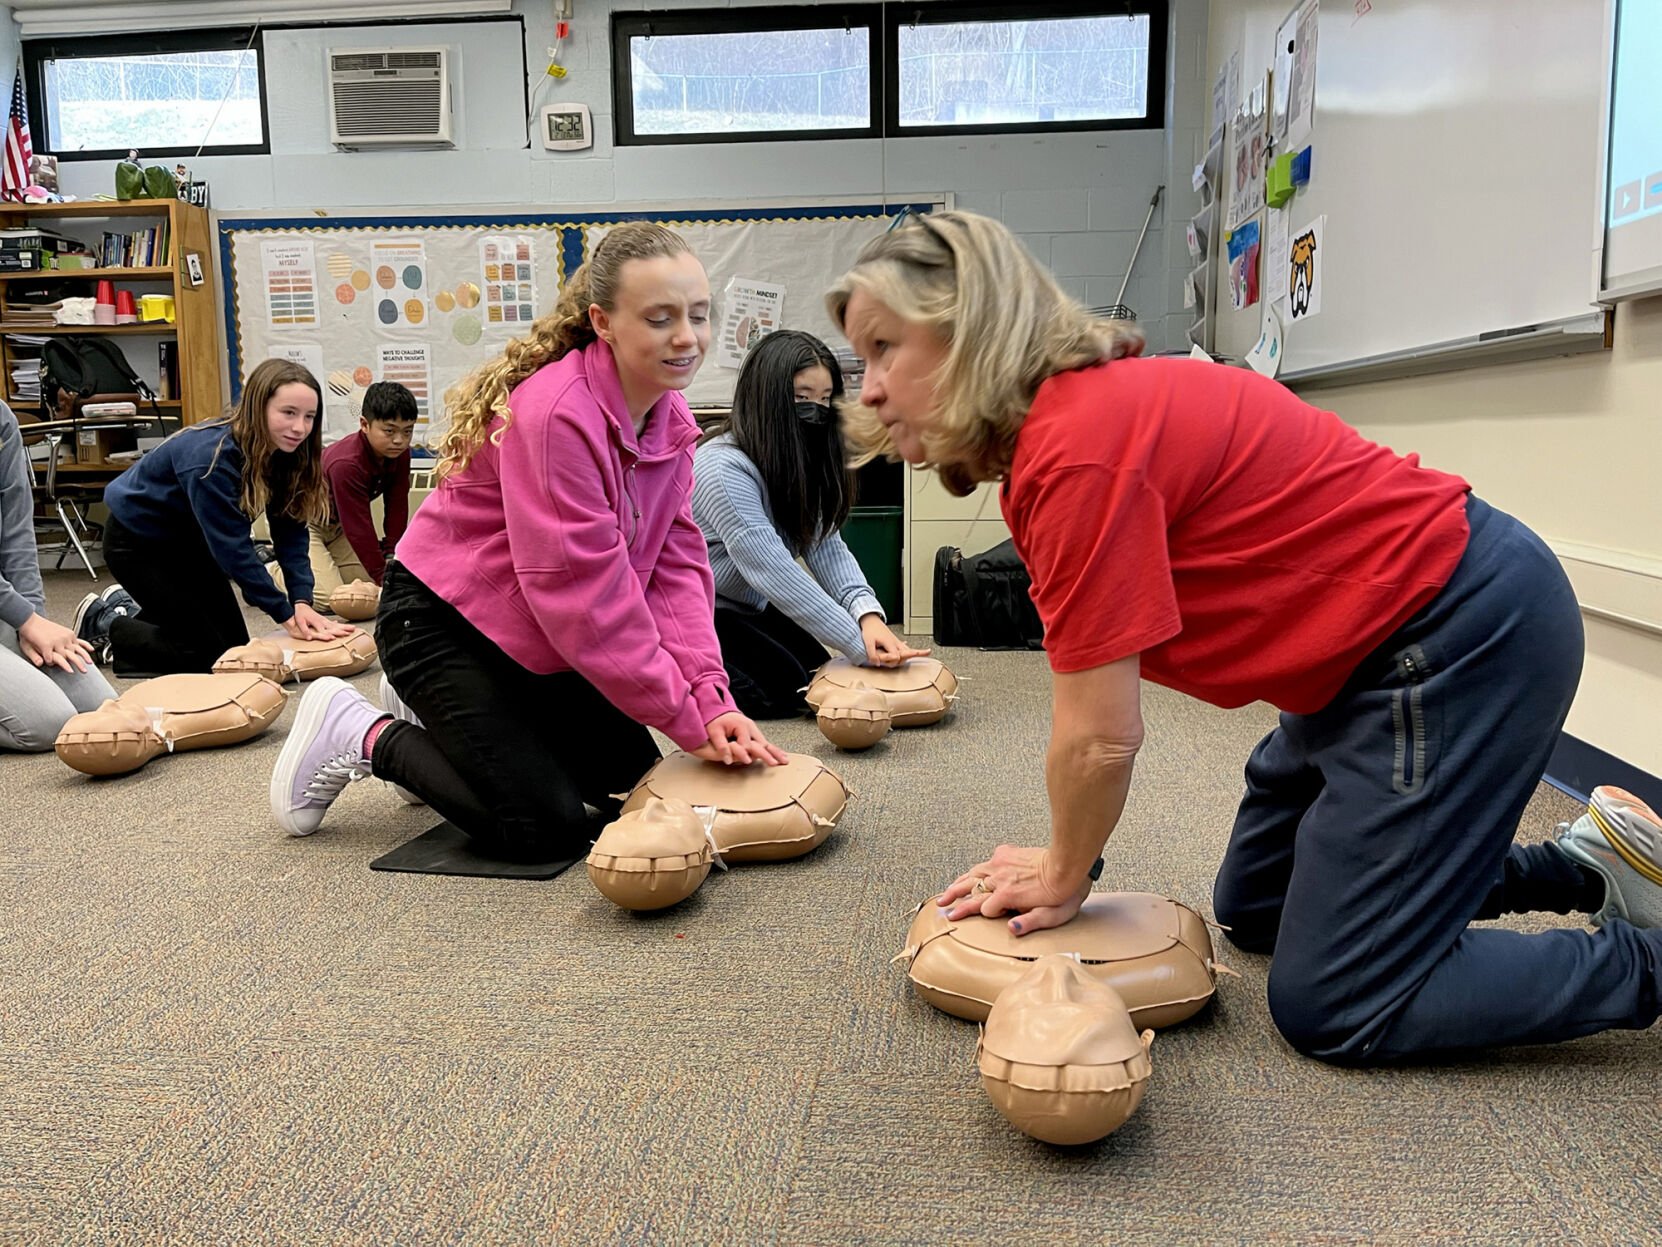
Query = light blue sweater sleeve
x=752 y=565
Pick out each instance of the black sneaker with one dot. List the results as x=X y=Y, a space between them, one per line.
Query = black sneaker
x=89 y=618
x=120 y=602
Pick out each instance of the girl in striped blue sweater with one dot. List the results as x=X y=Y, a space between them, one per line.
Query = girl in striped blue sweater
x=770 y=486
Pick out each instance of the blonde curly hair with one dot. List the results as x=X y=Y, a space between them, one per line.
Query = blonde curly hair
x=1007 y=326
x=478 y=400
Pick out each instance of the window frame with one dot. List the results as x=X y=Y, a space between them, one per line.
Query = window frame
x=628 y=24
x=952 y=13
x=36 y=52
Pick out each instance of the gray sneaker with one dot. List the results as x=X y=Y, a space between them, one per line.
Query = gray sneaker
x=394 y=705
x=1620 y=837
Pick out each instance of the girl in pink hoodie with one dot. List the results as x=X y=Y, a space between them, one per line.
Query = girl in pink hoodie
x=552 y=599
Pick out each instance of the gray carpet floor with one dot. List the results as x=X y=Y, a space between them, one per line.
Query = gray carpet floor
x=213 y=1033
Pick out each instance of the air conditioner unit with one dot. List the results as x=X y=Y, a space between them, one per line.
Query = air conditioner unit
x=389 y=97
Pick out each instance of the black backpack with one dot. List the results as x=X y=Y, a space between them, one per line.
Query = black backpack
x=983 y=600
x=83 y=367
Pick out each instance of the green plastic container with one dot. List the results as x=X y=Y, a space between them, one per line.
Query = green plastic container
x=874 y=536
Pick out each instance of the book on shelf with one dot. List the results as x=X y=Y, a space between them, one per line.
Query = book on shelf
x=167 y=370
x=143 y=249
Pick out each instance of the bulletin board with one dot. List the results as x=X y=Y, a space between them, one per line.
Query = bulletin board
x=424 y=299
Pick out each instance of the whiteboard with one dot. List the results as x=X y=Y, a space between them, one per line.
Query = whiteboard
x=1455 y=159
x=424 y=299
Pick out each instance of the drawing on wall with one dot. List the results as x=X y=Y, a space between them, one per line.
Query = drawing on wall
x=1243 y=266
x=1304 y=270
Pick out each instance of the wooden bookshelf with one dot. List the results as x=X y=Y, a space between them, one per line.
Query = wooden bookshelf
x=159 y=272
x=196 y=315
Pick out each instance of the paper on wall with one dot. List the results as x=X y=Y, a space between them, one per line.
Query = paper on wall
x=308 y=355
x=1301 y=102
x=1276 y=222
x=1265 y=355
x=508 y=280
x=750 y=311
x=1249 y=147
x=1304 y=269
x=290 y=283
x=1282 y=75
x=410 y=364
x=1244 y=249
x=398 y=284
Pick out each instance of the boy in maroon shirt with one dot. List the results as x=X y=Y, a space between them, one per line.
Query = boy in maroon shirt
x=372 y=463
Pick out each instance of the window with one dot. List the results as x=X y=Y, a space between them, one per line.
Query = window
x=164 y=94
x=819 y=71
x=761 y=73
x=1059 y=66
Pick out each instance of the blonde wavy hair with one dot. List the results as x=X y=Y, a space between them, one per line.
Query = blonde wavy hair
x=479 y=400
x=294 y=483
x=1007 y=326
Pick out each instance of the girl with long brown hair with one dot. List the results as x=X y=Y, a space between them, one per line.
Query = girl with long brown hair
x=180 y=529
x=552 y=599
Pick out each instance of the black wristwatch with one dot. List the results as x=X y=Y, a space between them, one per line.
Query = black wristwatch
x=1096 y=870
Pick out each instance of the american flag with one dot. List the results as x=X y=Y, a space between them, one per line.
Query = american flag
x=19 y=150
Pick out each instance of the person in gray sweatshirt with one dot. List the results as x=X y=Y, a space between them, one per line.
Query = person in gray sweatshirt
x=771 y=486
x=47 y=673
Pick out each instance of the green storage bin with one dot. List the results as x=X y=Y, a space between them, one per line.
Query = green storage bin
x=874 y=536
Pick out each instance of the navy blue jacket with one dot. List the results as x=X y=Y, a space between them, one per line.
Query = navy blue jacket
x=171 y=491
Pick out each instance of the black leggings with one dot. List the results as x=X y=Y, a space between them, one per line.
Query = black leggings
x=189 y=612
x=769 y=660
x=507 y=755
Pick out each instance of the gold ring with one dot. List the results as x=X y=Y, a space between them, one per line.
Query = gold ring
x=980 y=886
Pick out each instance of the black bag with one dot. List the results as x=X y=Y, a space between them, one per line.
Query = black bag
x=82 y=367
x=983 y=600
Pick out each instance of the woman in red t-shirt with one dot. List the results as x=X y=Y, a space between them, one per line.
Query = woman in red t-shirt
x=1204 y=528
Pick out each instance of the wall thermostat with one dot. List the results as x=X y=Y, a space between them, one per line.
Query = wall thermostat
x=567 y=127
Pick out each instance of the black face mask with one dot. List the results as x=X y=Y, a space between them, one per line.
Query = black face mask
x=812 y=413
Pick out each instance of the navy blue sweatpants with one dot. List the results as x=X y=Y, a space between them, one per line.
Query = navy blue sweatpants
x=1375 y=831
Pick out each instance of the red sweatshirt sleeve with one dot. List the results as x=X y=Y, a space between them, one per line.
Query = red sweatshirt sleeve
x=397 y=507
x=682 y=595
x=349 y=484
x=574 y=572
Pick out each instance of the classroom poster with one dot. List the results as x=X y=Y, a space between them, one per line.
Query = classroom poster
x=398 y=295
x=1243 y=266
x=410 y=364
x=1248 y=152
x=290 y=283
x=309 y=355
x=1304 y=270
x=1301 y=102
x=1276 y=242
x=1281 y=75
x=750 y=311
x=507 y=281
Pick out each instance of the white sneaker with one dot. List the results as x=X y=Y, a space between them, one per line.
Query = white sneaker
x=322 y=755
x=1620 y=837
x=394 y=705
